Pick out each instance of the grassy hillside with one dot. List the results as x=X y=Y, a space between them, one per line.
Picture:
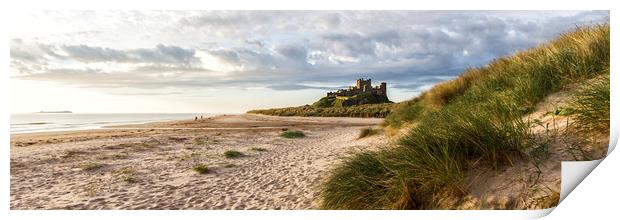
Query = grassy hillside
x=362 y=105
x=361 y=99
x=361 y=111
x=476 y=118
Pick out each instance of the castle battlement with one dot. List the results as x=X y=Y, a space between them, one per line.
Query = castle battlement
x=361 y=86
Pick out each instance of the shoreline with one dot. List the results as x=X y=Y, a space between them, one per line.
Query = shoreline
x=90 y=124
x=160 y=124
x=151 y=166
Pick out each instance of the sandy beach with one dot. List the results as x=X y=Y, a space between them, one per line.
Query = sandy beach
x=149 y=166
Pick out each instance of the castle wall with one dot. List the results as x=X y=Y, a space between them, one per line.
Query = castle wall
x=361 y=86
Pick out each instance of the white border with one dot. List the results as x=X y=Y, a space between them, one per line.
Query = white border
x=602 y=196
x=315 y=5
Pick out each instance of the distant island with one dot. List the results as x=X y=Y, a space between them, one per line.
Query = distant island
x=55 y=112
x=362 y=100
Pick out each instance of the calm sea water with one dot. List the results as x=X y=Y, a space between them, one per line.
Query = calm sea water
x=38 y=122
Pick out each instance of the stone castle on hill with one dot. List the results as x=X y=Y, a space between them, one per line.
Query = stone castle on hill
x=361 y=86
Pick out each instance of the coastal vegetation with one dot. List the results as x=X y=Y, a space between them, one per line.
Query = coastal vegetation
x=292 y=134
x=590 y=105
x=201 y=168
x=477 y=118
x=359 y=111
x=362 y=105
x=367 y=132
x=232 y=154
x=90 y=166
x=345 y=101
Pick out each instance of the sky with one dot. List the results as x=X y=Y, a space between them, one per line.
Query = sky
x=234 y=61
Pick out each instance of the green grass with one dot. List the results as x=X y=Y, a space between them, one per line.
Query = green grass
x=590 y=105
x=292 y=134
x=405 y=112
x=363 y=106
x=201 y=168
x=361 y=99
x=258 y=149
x=367 y=132
x=475 y=118
x=362 y=187
x=359 y=111
x=232 y=154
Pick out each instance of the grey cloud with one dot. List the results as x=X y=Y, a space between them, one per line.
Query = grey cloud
x=289 y=50
x=349 y=44
x=255 y=42
x=332 y=20
x=160 y=54
x=166 y=54
x=94 y=54
x=229 y=56
x=300 y=87
x=387 y=37
x=25 y=52
x=224 y=23
x=421 y=82
x=249 y=59
x=36 y=58
x=220 y=19
x=357 y=45
x=295 y=52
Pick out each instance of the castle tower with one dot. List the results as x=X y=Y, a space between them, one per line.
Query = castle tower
x=364 y=85
x=383 y=88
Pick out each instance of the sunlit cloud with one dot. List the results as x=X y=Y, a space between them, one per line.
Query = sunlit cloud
x=275 y=50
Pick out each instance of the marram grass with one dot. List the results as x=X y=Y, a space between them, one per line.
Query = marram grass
x=590 y=105
x=476 y=117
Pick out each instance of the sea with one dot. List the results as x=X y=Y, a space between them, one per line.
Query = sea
x=41 y=122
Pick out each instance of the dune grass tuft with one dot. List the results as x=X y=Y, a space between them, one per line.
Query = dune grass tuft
x=367 y=132
x=232 y=154
x=201 y=168
x=130 y=178
x=475 y=118
x=292 y=134
x=260 y=149
x=590 y=106
x=90 y=166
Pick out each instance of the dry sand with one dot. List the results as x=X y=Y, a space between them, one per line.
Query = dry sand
x=149 y=166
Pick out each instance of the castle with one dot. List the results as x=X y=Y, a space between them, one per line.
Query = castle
x=362 y=86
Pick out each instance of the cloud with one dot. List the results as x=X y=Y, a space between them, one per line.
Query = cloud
x=84 y=53
x=280 y=50
x=286 y=87
x=294 y=52
x=146 y=93
x=34 y=58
